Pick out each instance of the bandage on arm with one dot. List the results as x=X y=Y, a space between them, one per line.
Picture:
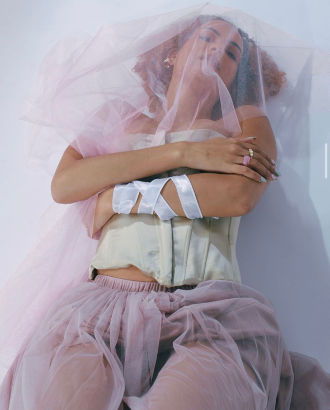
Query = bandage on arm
x=126 y=195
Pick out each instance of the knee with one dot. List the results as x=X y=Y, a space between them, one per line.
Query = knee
x=205 y=349
x=75 y=364
x=197 y=375
x=79 y=376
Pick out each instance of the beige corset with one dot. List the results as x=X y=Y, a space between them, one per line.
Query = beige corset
x=174 y=252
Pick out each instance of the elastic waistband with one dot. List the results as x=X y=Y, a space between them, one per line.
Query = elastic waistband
x=136 y=286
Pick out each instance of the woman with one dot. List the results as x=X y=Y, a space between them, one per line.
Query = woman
x=166 y=322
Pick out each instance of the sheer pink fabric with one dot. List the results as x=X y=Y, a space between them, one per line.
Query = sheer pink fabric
x=218 y=346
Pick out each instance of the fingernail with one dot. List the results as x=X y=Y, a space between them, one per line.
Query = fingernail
x=273 y=176
x=263 y=179
x=277 y=173
x=249 y=138
x=273 y=162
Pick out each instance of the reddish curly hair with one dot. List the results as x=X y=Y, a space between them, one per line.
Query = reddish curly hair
x=150 y=65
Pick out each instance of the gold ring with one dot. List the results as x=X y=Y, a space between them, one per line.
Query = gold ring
x=251 y=152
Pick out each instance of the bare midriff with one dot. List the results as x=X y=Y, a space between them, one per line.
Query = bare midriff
x=130 y=273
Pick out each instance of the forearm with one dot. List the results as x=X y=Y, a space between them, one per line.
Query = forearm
x=217 y=195
x=88 y=176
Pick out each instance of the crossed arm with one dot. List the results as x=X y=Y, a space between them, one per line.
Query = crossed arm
x=222 y=195
x=217 y=195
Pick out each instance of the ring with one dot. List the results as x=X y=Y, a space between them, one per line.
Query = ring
x=246 y=160
x=251 y=152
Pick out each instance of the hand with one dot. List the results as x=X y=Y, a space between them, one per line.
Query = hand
x=225 y=155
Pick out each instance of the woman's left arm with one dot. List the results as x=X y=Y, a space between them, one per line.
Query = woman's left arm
x=222 y=195
x=258 y=127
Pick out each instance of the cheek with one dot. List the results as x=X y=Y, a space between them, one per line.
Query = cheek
x=183 y=57
x=228 y=73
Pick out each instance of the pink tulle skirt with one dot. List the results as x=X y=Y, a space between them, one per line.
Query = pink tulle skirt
x=113 y=344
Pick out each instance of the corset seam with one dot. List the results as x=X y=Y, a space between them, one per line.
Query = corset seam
x=229 y=242
x=229 y=231
x=206 y=249
x=232 y=245
x=161 y=246
x=136 y=230
x=186 y=249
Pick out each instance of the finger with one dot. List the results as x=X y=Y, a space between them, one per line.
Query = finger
x=261 y=165
x=247 y=172
x=257 y=148
x=263 y=170
x=256 y=164
x=243 y=149
x=258 y=154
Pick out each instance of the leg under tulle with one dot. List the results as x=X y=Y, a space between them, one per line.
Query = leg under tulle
x=82 y=378
x=82 y=365
x=195 y=376
x=218 y=346
x=198 y=377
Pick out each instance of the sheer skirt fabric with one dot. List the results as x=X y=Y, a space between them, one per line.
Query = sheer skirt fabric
x=111 y=341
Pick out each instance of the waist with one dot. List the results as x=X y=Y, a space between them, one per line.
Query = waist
x=130 y=273
x=136 y=285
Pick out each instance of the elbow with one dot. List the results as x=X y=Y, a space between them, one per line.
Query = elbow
x=245 y=206
x=248 y=196
x=57 y=191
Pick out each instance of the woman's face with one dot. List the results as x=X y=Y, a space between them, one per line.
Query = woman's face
x=214 y=47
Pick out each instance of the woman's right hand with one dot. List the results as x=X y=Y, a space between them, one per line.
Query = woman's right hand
x=225 y=155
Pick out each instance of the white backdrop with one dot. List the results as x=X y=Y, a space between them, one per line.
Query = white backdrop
x=30 y=29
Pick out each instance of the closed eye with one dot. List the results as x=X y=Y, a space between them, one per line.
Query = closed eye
x=231 y=55
x=205 y=39
x=209 y=40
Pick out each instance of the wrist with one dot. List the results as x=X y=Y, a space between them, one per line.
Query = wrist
x=185 y=154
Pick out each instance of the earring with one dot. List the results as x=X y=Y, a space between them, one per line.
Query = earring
x=167 y=63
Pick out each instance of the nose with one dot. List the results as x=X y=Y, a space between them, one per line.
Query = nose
x=215 y=48
x=215 y=52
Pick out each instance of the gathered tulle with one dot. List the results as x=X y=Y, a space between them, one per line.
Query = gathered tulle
x=112 y=341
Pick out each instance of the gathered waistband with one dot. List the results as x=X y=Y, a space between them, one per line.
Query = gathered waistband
x=136 y=286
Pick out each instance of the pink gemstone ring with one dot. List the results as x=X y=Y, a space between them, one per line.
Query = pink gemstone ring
x=246 y=160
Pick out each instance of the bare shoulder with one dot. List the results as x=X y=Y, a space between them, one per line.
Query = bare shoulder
x=255 y=123
x=245 y=112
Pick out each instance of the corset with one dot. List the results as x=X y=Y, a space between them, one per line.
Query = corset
x=175 y=252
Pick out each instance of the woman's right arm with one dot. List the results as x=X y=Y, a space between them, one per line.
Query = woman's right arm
x=77 y=178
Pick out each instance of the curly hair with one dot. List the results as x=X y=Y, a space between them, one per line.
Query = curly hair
x=150 y=66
